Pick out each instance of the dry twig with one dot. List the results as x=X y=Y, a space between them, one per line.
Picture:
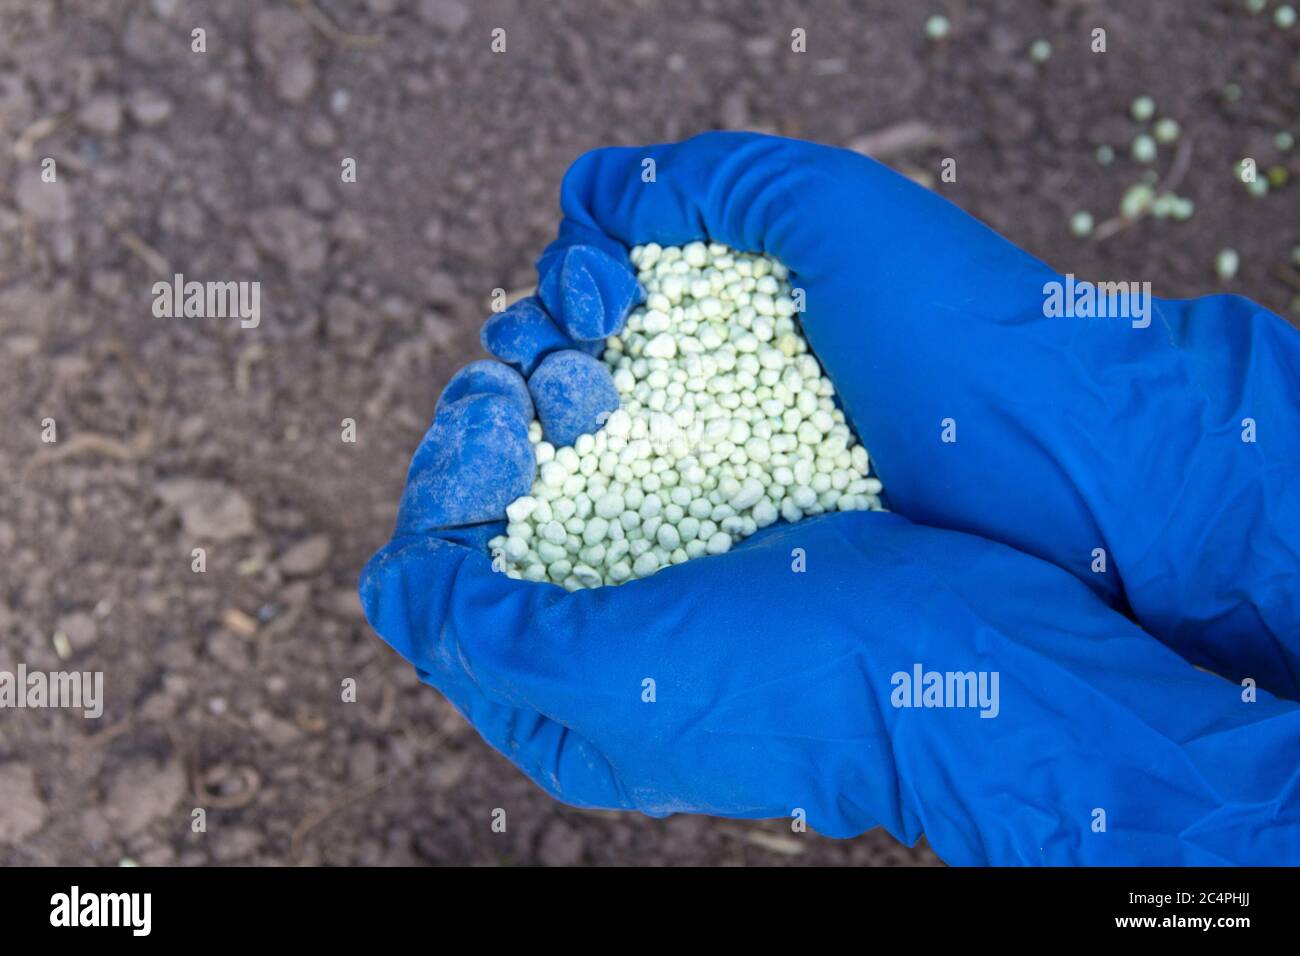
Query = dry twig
x=94 y=443
x=146 y=253
x=25 y=144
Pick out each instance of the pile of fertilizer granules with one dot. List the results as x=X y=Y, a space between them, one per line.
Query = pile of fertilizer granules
x=726 y=424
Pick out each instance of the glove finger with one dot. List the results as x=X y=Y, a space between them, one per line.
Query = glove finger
x=573 y=394
x=404 y=592
x=764 y=707
x=571 y=389
x=523 y=334
x=486 y=377
x=476 y=456
x=588 y=287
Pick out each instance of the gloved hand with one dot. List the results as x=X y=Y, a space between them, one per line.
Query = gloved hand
x=776 y=696
x=591 y=290
x=766 y=682
x=1072 y=434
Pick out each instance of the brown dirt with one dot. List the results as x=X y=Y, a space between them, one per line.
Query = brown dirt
x=174 y=433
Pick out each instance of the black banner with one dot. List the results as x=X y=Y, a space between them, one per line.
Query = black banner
x=333 y=906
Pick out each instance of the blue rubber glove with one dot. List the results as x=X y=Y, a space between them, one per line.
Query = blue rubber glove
x=591 y=289
x=1072 y=434
x=770 y=706
x=765 y=682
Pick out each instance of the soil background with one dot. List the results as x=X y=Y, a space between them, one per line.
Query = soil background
x=222 y=688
